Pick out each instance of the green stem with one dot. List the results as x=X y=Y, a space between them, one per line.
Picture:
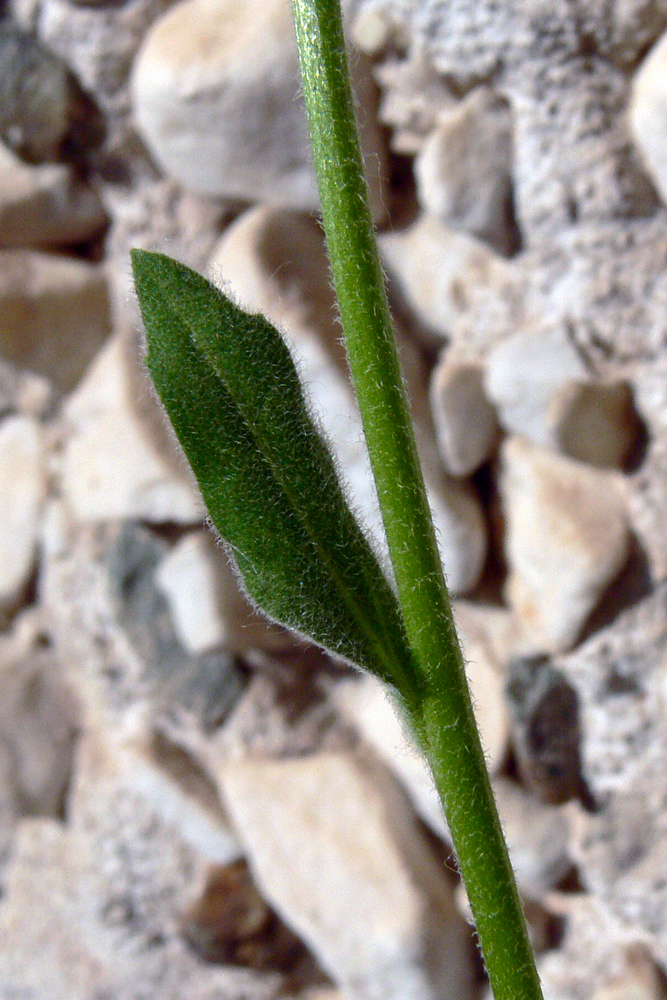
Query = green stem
x=445 y=722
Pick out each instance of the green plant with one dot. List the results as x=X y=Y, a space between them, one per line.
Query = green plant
x=230 y=388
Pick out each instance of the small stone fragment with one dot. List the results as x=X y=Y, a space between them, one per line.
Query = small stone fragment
x=463 y=171
x=54 y=314
x=543 y=391
x=546 y=729
x=567 y=538
x=465 y=421
x=413 y=97
x=220 y=108
x=39 y=720
x=326 y=840
x=596 y=422
x=22 y=493
x=524 y=373
x=186 y=577
x=34 y=96
x=110 y=466
x=45 y=205
x=367 y=704
x=99 y=900
x=442 y=274
x=648 y=113
x=23 y=392
x=537 y=837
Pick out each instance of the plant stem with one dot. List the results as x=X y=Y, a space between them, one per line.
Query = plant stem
x=445 y=722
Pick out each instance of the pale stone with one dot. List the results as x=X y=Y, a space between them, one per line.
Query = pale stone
x=337 y=854
x=463 y=170
x=54 y=313
x=39 y=720
x=187 y=579
x=442 y=273
x=45 y=205
x=216 y=97
x=465 y=421
x=22 y=493
x=596 y=422
x=93 y=908
x=274 y=262
x=537 y=836
x=542 y=390
x=567 y=538
x=110 y=466
x=173 y=783
x=413 y=97
x=524 y=373
x=35 y=95
x=648 y=113
x=367 y=704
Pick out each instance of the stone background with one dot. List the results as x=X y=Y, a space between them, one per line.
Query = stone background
x=195 y=805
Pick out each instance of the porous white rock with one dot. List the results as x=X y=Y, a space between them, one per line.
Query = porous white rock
x=54 y=313
x=648 y=113
x=274 y=262
x=414 y=94
x=465 y=421
x=99 y=900
x=463 y=170
x=187 y=579
x=216 y=97
x=334 y=850
x=443 y=275
x=567 y=538
x=45 y=205
x=22 y=493
x=110 y=466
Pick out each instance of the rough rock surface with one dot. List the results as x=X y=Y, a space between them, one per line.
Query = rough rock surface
x=525 y=238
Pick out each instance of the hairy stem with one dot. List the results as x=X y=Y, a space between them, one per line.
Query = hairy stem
x=445 y=722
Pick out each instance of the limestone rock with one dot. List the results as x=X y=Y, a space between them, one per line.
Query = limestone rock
x=368 y=706
x=23 y=392
x=523 y=374
x=99 y=901
x=465 y=421
x=274 y=262
x=567 y=538
x=38 y=728
x=648 y=113
x=22 y=492
x=596 y=422
x=413 y=95
x=326 y=840
x=546 y=729
x=34 y=96
x=54 y=313
x=45 y=205
x=220 y=110
x=447 y=278
x=538 y=838
x=186 y=577
x=463 y=171
x=602 y=956
x=110 y=466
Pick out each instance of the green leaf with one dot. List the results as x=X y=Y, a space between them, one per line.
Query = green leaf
x=232 y=392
